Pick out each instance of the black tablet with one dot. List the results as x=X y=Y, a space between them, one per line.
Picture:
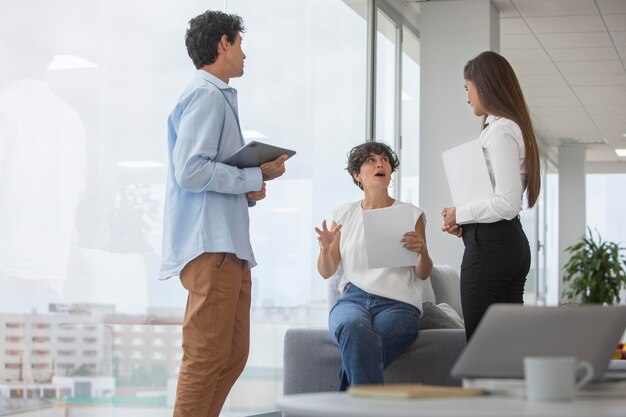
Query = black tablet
x=256 y=153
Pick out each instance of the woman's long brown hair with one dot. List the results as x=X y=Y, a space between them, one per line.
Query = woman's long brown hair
x=501 y=95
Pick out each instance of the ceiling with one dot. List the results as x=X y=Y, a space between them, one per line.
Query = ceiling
x=570 y=57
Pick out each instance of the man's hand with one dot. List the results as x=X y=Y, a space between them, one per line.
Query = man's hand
x=274 y=169
x=256 y=195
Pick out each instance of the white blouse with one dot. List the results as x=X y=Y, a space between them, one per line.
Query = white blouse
x=503 y=146
x=398 y=283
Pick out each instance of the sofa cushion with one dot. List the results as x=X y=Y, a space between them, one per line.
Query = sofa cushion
x=445 y=282
x=435 y=317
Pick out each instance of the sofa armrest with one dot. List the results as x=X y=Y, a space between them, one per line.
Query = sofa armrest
x=311 y=361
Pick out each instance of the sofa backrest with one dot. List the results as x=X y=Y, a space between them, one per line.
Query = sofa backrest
x=442 y=287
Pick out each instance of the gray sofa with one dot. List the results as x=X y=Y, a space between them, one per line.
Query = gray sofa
x=312 y=360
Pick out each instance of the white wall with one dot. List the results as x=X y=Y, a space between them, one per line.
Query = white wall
x=451 y=33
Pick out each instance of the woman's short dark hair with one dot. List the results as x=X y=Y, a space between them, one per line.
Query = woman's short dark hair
x=205 y=32
x=359 y=154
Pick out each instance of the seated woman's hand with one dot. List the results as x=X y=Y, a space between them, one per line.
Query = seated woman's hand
x=326 y=237
x=414 y=243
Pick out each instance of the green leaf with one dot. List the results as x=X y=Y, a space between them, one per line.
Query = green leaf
x=595 y=271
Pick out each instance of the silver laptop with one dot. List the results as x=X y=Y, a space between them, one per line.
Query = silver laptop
x=507 y=333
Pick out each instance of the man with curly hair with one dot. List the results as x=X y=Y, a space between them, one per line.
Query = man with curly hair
x=206 y=237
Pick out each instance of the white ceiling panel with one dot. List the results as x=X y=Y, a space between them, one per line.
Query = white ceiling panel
x=563 y=111
x=513 y=25
x=566 y=24
x=616 y=22
x=613 y=100
x=541 y=80
x=569 y=56
x=608 y=121
x=556 y=7
x=613 y=126
x=534 y=68
x=606 y=109
x=576 y=80
x=572 y=124
x=612 y=6
x=548 y=91
x=570 y=121
x=579 y=40
x=600 y=91
x=505 y=8
x=576 y=132
x=600 y=155
x=527 y=55
x=551 y=101
x=519 y=41
x=589 y=67
x=619 y=38
x=583 y=54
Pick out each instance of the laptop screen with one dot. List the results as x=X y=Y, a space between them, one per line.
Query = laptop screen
x=509 y=332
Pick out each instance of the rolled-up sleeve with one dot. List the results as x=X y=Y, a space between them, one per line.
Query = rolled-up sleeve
x=197 y=146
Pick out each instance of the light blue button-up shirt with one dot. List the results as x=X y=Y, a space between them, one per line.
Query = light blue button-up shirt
x=206 y=209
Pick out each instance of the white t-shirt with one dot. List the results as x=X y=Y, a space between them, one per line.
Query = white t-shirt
x=503 y=146
x=399 y=283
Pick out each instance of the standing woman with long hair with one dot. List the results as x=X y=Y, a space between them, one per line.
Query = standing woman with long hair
x=496 y=259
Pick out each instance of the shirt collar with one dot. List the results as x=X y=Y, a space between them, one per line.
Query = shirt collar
x=490 y=118
x=213 y=79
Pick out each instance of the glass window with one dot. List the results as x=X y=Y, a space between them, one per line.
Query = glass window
x=385 y=80
x=605 y=207
x=553 y=275
x=66 y=339
x=101 y=100
x=13 y=339
x=409 y=157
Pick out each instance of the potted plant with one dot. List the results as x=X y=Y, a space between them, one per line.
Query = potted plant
x=595 y=272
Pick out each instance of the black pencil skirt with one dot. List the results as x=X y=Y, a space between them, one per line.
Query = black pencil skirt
x=494 y=268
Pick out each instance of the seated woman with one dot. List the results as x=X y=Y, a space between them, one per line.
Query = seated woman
x=377 y=316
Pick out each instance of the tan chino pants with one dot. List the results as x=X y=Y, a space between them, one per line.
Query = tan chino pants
x=216 y=332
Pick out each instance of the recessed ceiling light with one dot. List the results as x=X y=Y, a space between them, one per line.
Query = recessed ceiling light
x=624 y=134
x=140 y=164
x=621 y=153
x=61 y=62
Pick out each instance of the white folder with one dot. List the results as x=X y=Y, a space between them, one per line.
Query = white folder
x=384 y=229
x=468 y=176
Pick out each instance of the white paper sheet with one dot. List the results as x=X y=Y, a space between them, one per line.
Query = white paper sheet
x=383 y=236
x=468 y=176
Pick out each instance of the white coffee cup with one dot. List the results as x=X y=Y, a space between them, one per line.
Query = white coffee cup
x=553 y=378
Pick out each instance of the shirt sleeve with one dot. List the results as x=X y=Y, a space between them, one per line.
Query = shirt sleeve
x=503 y=151
x=196 y=148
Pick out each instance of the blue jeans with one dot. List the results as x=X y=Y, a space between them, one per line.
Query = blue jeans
x=371 y=332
